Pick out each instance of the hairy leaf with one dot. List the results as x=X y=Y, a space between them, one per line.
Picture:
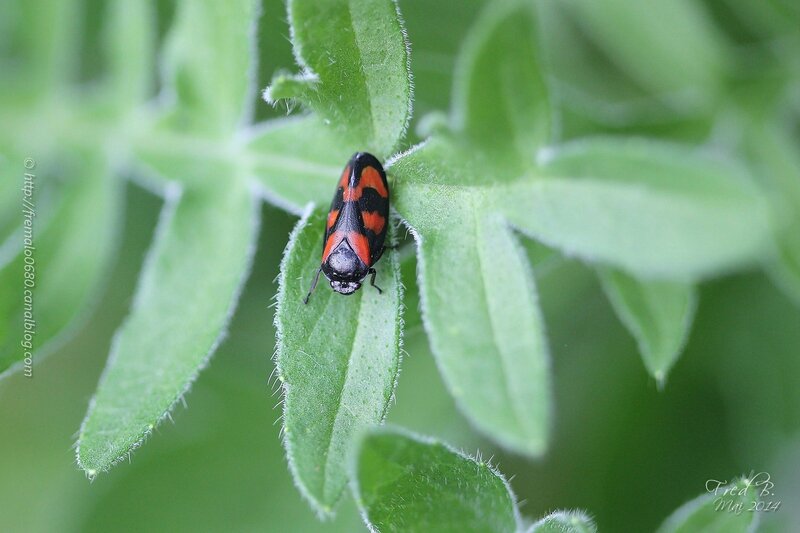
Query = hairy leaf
x=651 y=208
x=184 y=300
x=479 y=305
x=355 y=75
x=564 y=522
x=406 y=483
x=716 y=511
x=657 y=313
x=338 y=359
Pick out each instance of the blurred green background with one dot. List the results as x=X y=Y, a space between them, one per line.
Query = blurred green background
x=623 y=450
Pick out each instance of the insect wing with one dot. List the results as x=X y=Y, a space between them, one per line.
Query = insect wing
x=373 y=203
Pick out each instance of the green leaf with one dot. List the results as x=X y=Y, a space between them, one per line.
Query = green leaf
x=658 y=314
x=131 y=43
x=186 y=294
x=486 y=328
x=564 y=522
x=654 y=209
x=716 y=511
x=500 y=64
x=295 y=161
x=72 y=248
x=479 y=298
x=210 y=65
x=355 y=63
x=687 y=66
x=338 y=359
x=406 y=483
x=479 y=303
x=777 y=161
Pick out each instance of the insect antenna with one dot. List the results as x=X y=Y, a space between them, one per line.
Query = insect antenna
x=313 y=286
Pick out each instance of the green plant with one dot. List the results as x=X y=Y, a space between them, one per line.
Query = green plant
x=653 y=216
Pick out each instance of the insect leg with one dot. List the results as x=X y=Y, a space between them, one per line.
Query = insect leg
x=372 y=272
x=314 y=286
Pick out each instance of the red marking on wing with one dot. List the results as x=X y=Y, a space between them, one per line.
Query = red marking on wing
x=373 y=221
x=332 y=216
x=360 y=245
x=333 y=241
x=352 y=194
x=345 y=179
x=370 y=177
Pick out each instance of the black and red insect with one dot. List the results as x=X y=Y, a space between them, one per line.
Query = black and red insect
x=356 y=228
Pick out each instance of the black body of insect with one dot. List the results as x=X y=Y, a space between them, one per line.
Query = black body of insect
x=356 y=227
